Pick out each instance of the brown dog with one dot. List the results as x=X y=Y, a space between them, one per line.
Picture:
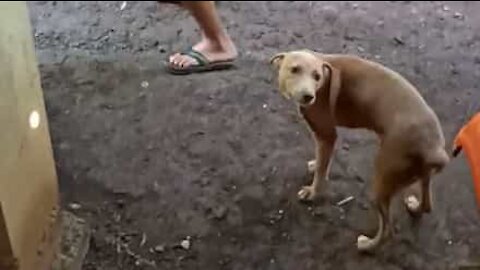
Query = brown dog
x=348 y=91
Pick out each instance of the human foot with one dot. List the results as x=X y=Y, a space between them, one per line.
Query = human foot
x=204 y=56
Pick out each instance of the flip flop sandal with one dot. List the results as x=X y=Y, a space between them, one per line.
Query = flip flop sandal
x=202 y=65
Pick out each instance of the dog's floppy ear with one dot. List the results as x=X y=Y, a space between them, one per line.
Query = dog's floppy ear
x=334 y=84
x=276 y=60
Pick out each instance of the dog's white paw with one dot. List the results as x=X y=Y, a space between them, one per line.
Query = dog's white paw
x=307 y=193
x=412 y=204
x=312 y=165
x=364 y=243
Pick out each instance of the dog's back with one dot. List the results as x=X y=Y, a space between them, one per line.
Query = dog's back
x=375 y=97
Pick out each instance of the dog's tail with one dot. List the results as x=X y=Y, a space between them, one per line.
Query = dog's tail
x=365 y=244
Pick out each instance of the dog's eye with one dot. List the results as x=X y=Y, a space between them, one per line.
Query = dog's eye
x=316 y=76
x=295 y=69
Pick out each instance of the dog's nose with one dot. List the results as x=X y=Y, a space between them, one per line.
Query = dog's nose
x=307 y=98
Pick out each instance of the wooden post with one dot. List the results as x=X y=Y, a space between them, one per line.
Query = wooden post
x=7 y=260
x=28 y=181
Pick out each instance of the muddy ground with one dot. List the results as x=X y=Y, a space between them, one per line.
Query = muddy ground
x=215 y=160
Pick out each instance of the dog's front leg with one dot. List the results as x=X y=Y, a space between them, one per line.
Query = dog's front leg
x=323 y=155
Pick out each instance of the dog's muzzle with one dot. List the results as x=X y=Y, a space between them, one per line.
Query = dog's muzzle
x=305 y=98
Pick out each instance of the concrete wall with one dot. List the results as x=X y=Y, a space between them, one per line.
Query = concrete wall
x=28 y=184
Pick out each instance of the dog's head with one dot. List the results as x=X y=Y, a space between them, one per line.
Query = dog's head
x=301 y=74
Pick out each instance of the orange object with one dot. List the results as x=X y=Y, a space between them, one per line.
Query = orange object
x=468 y=139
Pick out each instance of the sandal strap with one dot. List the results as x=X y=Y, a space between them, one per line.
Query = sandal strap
x=199 y=57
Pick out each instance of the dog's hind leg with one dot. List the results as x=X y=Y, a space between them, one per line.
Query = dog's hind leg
x=390 y=177
x=426 y=195
x=416 y=206
x=435 y=163
x=312 y=166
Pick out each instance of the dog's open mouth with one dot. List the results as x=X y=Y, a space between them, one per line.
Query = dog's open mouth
x=306 y=103
x=307 y=99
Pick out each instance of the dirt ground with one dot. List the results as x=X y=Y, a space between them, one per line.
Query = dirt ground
x=201 y=172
